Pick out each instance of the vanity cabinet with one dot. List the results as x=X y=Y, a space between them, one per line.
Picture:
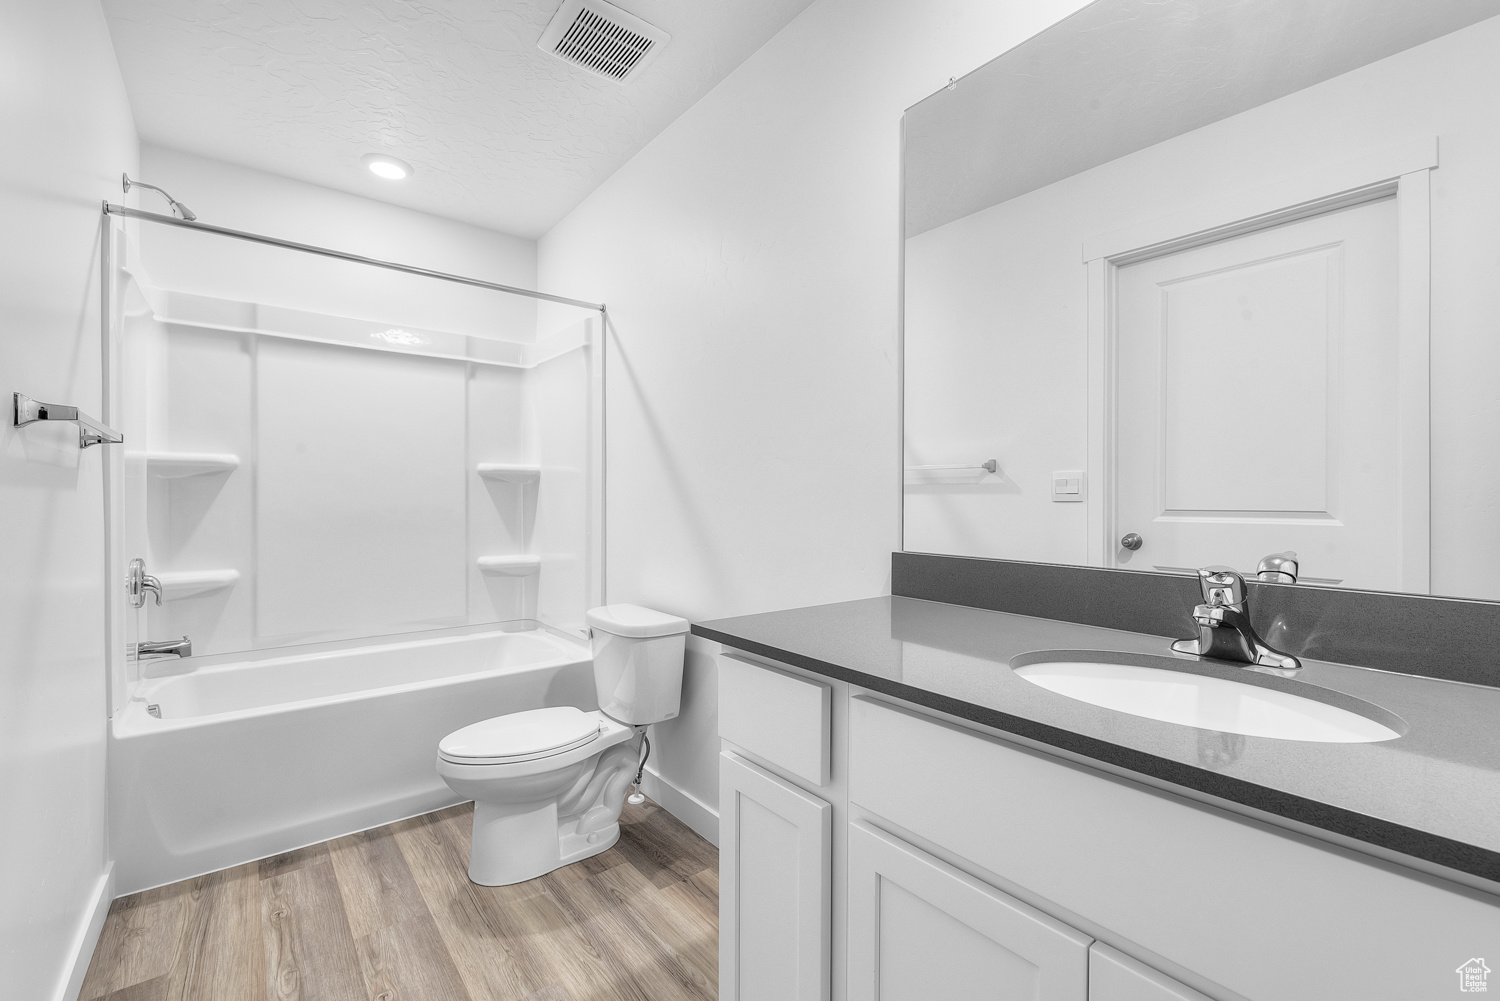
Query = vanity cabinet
x=1230 y=906
x=921 y=929
x=774 y=887
x=962 y=863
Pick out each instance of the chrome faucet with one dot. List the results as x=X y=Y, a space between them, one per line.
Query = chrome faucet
x=1224 y=629
x=164 y=648
x=138 y=582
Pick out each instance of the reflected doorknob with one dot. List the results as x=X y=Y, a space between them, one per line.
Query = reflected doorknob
x=1132 y=541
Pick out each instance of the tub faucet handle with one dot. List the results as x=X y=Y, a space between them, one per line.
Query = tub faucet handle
x=138 y=582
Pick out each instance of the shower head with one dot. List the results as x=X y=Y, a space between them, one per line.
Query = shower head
x=182 y=211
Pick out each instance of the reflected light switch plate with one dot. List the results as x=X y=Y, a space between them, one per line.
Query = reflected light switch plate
x=1067 y=486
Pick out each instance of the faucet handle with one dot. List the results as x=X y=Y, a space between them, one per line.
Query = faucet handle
x=138 y=582
x=1278 y=568
x=1222 y=586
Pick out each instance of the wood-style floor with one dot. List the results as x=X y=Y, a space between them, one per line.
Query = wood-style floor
x=390 y=915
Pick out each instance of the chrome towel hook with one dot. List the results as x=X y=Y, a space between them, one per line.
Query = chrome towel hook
x=90 y=432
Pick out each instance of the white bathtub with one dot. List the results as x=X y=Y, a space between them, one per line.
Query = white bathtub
x=261 y=754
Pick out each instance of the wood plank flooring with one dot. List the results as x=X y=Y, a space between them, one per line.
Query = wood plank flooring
x=390 y=915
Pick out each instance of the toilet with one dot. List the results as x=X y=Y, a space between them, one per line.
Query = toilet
x=548 y=784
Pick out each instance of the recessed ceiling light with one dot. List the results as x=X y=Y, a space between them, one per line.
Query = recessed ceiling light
x=388 y=167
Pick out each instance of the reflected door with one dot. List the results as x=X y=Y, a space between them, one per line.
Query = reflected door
x=1256 y=402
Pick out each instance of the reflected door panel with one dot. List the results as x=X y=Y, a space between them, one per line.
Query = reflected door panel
x=1256 y=401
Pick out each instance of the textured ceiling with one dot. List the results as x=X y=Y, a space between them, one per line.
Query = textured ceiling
x=500 y=133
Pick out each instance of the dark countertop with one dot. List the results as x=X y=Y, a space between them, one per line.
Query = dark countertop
x=1431 y=794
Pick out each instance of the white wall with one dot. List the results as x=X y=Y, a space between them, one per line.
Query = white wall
x=997 y=304
x=68 y=135
x=749 y=257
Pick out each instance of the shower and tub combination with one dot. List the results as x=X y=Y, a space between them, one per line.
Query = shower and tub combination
x=358 y=506
x=245 y=756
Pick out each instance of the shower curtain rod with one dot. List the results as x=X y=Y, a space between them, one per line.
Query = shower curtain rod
x=123 y=210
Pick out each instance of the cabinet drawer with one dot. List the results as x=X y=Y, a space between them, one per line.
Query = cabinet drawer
x=776 y=716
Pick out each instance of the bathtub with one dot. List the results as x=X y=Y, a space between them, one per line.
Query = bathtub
x=259 y=754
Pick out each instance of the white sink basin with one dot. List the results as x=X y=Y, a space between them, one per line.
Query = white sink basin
x=1175 y=695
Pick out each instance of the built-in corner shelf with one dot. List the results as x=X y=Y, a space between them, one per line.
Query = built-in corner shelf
x=510 y=472
x=510 y=566
x=176 y=465
x=179 y=584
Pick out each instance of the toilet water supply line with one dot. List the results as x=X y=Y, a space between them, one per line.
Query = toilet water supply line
x=638 y=797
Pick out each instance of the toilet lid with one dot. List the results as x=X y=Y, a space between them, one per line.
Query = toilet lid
x=535 y=733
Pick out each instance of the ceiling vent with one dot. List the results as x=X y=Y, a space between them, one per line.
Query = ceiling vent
x=602 y=38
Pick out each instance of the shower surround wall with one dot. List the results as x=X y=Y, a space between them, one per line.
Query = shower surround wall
x=336 y=492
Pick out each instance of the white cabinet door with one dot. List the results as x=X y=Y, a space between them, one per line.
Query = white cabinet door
x=774 y=896
x=920 y=929
x=1114 y=976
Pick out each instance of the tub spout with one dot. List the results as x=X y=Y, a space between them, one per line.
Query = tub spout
x=164 y=648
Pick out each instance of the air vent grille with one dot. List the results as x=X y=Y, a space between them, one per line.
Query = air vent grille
x=601 y=38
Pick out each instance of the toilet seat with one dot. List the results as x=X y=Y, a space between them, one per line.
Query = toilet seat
x=523 y=736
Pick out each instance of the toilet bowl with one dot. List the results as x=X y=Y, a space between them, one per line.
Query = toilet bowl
x=547 y=787
x=548 y=784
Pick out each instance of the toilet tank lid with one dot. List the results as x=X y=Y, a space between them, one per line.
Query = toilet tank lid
x=633 y=620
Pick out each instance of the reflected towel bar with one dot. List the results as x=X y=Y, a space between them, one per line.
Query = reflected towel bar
x=988 y=465
x=90 y=432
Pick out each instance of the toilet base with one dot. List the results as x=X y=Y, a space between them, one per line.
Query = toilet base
x=509 y=847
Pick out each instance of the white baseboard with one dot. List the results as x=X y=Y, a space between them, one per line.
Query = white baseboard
x=87 y=936
x=683 y=805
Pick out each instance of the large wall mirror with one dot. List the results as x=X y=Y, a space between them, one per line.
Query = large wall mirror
x=1201 y=283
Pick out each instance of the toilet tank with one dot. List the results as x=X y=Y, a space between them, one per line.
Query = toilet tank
x=637 y=662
